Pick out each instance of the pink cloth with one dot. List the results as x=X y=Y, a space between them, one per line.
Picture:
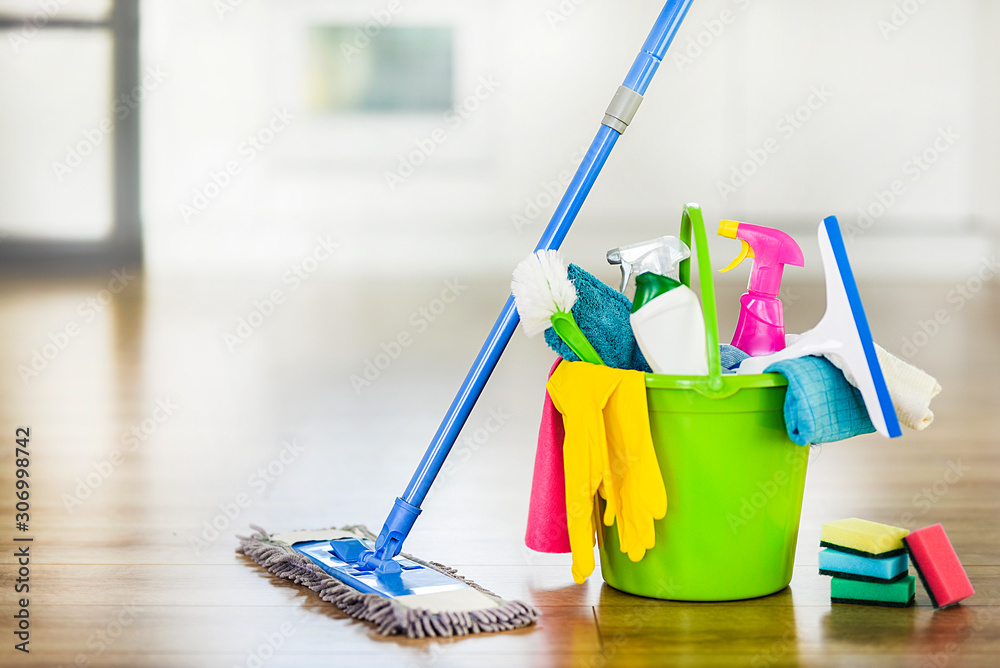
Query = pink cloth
x=548 y=530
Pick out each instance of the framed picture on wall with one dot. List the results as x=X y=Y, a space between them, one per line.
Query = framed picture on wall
x=388 y=84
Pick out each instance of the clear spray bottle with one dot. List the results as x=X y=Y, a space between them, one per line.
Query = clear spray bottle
x=666 y=314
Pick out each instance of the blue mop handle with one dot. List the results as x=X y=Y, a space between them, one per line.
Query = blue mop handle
x=407 y=508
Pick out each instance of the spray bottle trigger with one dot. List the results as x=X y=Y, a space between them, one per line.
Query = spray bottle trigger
x=744 y=254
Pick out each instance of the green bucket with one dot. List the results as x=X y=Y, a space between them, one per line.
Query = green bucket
x=733 y=478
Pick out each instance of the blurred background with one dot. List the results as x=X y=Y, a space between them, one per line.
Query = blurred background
x=223 y=137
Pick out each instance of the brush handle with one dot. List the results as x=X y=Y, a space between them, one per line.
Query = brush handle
x=623 y=106
x=565 y=326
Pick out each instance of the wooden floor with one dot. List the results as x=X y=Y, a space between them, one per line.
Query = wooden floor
x=155 y=439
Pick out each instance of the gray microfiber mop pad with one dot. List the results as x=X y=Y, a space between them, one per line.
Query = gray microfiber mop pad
x=603 y=315
x=389 y=617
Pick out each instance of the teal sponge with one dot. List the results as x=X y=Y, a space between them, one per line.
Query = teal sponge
x=898 y=594
x=852 y=567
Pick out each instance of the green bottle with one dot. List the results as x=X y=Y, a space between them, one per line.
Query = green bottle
x=649 y=286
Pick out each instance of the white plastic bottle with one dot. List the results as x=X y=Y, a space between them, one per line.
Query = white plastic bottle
x=669 y=327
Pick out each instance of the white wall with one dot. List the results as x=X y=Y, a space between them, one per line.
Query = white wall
x=890 y=97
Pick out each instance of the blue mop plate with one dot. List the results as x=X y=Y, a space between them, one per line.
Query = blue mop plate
x=421 y=600
x=415 y=579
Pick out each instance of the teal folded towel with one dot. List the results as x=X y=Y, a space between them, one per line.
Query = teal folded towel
x=603 y=315
x=820 y=405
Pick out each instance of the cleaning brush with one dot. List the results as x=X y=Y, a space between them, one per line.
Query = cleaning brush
x=545 y=296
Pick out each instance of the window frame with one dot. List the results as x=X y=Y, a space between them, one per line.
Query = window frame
x=123 y=244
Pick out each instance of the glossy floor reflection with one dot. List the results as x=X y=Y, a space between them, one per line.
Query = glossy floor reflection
x=151 y=424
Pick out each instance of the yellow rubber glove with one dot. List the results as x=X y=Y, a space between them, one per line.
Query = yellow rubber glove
x=580 y=391
x=634 y=467
x=609 y=451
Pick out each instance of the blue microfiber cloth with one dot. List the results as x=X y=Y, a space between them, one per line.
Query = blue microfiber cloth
x=603 y=315
x=820 y=406
x=731 y=356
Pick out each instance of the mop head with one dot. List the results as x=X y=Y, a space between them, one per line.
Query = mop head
x=472 y=610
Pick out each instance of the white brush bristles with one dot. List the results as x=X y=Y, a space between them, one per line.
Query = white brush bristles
x=541 y=288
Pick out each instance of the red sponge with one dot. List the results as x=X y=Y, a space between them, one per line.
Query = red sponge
x=938 y=566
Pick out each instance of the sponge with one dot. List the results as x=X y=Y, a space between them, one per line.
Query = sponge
x=896 y=595
x=938 y=566
x=863 y=569
x=864 y=538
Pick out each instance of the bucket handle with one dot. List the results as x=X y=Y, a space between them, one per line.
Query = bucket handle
x=692 y=220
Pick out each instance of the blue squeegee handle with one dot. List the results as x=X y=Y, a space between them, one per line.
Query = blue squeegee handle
x=406 y=509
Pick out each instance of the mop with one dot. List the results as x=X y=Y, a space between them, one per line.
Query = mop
x=371 y=579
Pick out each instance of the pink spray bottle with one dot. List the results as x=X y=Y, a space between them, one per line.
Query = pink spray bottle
x=761 y=327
